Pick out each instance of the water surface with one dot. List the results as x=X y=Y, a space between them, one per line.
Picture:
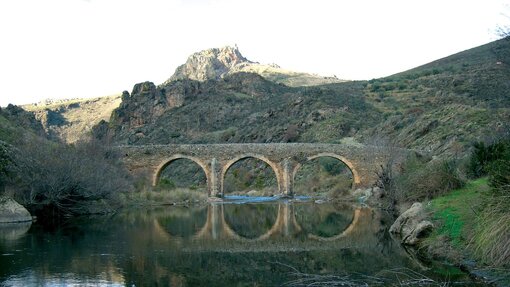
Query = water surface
x=239 y=243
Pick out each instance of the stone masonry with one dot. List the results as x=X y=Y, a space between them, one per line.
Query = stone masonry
x=284 y=158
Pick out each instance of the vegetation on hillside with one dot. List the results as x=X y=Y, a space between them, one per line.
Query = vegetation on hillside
x=445 y=106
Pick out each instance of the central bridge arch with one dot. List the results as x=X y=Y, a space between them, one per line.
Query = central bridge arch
x=167 y=161
x=274 y=166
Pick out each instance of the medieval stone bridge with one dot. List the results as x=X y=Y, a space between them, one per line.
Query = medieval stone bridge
x=284 y=158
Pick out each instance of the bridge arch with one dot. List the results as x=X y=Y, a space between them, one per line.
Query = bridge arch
x=356 y=181
x=169 y=160
x=276 y=168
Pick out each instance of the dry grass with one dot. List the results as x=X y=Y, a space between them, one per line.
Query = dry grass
x=492 y=240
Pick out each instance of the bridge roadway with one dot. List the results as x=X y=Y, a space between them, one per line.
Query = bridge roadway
x=284 y=158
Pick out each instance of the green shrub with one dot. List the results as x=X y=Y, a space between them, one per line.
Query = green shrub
x=166 y=183
x=483 y=155
x=331 y=165
x=425 y=180
x=499 y=176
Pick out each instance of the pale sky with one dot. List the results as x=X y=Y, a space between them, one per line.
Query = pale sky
x=90 y=48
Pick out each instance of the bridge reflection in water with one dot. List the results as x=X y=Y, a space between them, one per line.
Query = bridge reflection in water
x=284 y=221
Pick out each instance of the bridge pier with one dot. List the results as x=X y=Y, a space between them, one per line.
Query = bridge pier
x=214 y=183
x=288 y=166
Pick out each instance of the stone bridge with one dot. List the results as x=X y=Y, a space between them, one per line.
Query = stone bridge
x=284 y=158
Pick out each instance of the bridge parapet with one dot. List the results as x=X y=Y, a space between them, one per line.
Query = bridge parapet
x=284 y=158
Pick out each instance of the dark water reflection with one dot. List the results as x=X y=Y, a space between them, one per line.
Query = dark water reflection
x=215 y=245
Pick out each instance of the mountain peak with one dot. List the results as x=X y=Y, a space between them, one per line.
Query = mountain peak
x=210 y=64
x=216 y=63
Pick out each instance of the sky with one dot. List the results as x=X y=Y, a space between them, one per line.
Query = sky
x=89 y=48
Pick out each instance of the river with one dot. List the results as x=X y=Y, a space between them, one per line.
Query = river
x=256 y=242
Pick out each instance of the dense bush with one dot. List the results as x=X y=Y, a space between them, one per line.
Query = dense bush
x=484 y=155
x=332 y=166
x=499 y=176
x=5 y=161
x=65 y=179
x=421 y=180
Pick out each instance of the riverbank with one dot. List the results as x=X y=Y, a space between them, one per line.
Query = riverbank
x=456 y=216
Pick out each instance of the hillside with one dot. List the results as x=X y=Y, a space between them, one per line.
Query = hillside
x=71 y=120
x=441 y=107
x=445 y=105
x=242 y=107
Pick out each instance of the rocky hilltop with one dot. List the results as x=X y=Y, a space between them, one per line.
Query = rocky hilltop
x=210 y=64
x=216 y=63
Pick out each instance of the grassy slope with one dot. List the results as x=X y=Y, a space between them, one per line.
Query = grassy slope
x=456 y=212
x=456 y=216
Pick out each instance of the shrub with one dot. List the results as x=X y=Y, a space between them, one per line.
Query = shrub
x=419 y=180
x=166 y=183
x=52 y=176
x=483 y=155
x=499 y=176
x=331 y=165
x=5 y=161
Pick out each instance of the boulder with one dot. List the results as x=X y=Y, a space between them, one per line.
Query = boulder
x=11 y=211
x=421 y=230
x=411 y=225
x=13 y=231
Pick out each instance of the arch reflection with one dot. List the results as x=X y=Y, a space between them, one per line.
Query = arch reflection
x=281 y=220
x=183 y=222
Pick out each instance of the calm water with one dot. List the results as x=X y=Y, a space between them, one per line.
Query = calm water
x=236 y=243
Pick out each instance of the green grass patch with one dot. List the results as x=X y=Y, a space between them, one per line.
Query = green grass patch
x=456 y=212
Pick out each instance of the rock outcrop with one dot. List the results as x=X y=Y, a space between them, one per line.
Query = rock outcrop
x=11 y=211
x=209 y=64
x=411 y=225
x=216 y=63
